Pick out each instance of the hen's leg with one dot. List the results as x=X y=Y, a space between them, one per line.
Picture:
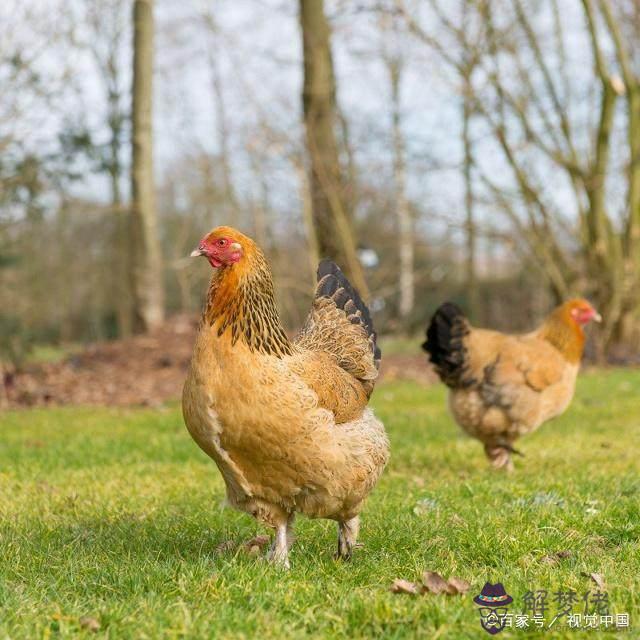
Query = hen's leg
x=291 y=536
x=279 y=552
x=347 y=537
x=499 y=456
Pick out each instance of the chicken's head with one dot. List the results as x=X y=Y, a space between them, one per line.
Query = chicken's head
x=581 y=312
x=222 y=247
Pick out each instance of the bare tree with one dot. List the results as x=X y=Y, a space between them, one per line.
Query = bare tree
x=214 y=50
x=147 y=281
x=466 y=70
x=463 y=59
x=107 y=23
x=394 y=60
x=611 y=269
x=331 y=217
x=526 y=102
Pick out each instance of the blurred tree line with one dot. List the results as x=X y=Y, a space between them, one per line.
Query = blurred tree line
x=527 y=193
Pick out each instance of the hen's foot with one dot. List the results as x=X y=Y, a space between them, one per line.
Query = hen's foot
x=347 y=538
x=279 y=551
x=500 y=456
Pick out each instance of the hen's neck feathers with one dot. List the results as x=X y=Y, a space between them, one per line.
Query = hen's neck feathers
x=564 y=334
x=241 y=305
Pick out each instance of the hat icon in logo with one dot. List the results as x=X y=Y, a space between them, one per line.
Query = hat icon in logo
x=493 y=601
x=493 y=595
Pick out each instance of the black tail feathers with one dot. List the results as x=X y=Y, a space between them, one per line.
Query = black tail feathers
x=445 y=344
x=332 y=283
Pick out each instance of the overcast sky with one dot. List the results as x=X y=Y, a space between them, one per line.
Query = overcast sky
x=258 y=50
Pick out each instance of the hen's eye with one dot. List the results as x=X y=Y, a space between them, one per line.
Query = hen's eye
x=221 y=242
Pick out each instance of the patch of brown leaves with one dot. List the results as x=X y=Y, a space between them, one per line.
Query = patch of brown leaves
x=144 y=370
x=253 y=547
x=597 y=578
x=89 y=623
x=432 y=582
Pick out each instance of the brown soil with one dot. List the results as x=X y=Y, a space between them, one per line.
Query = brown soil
x=143 y=370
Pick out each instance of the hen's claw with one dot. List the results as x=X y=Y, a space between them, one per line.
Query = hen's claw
x=279 y=551
x=347 y=537
x=500 y=456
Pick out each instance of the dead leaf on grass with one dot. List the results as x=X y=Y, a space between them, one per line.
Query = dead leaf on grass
x=254 y=546
x=404 y=586
x=226 y=546
x=597 y=578
x=257 y=541
x=554 y=558
x=89 y=623
x=459 y=586
x=434 y=582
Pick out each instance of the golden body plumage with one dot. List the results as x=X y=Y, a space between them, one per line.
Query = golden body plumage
x=504 y=386
x=286 y=422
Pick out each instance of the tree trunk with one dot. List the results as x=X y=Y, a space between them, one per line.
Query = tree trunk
x=470 y=226
x=405 y=223
x=107 y=21
x=147 y=281
x=331 y=216
x=121 y=239
x=231 y=201
x=307 y=218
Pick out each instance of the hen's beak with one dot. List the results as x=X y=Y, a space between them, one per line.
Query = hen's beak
x=596 y=318
x=196 y=253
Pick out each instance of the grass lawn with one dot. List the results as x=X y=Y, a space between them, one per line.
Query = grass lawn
x=116 y=515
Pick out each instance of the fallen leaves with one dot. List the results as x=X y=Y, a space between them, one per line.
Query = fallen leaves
x=459 y=585
x=226 y=547
x=146 y=370
x=554 y=558
x=89 y=623
x=432 y=582
x=252 y=547
x=256 y=544
x=597 y=578
x=404 y=586
x=143 y=370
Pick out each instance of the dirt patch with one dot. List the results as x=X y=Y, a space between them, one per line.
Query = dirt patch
x=144 y=370
x=408 y=367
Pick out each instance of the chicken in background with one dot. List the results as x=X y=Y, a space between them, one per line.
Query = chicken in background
x=286 y=421
x=504 y=386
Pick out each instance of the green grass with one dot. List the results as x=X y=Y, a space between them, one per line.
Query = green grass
x=400 y=345
x=115 y=514
x=49 y=353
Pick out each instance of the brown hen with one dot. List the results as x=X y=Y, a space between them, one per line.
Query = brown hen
x=286 y=421
x=504 y=386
